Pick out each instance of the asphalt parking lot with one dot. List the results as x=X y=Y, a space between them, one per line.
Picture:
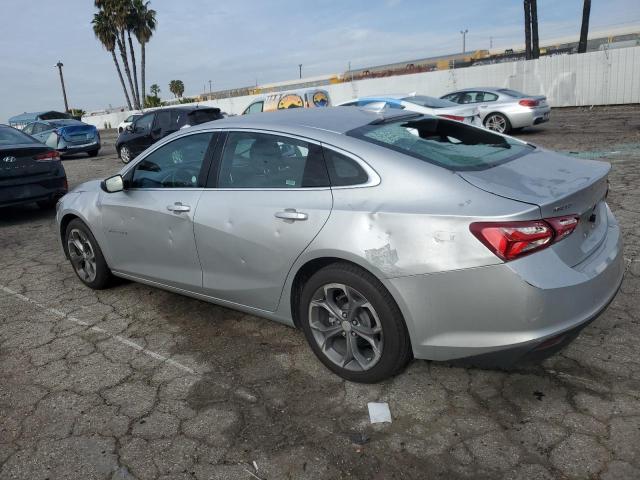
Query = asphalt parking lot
x=135 y=382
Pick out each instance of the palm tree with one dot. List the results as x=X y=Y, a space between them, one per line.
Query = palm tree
x=584 y=30
x=155 y=89
x=131 y=23
x=144 y=26
x=104 y=31
x=176 y=87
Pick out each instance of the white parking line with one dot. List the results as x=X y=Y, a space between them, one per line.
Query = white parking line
x=118 y=338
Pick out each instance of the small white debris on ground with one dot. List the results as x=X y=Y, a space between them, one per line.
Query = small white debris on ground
x=379 y=412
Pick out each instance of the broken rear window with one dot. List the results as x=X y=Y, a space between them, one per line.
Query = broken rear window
x=446 y=143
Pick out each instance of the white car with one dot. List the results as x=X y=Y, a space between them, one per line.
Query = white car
x=128 y=121
x=420 y=104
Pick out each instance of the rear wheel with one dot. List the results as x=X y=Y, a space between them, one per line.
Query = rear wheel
x=353 y=324
x=498 y=123
x=85 y=256
x=125 y=154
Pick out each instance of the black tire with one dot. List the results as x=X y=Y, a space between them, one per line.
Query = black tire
x=93 y=153
x=103 y=277
x=499 y=118
x=119 y=129
x=396 y=350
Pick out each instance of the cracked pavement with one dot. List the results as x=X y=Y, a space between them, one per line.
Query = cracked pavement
x=138 y=383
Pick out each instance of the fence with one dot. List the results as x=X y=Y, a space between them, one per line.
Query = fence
x=595 y=78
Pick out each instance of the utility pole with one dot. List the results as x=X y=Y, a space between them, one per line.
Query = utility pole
x=464 y=39
x=490 y=43
x=210 y=90
x=300 y=69
x=64 y=92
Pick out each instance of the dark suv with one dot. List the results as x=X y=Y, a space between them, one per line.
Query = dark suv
x=153 y=126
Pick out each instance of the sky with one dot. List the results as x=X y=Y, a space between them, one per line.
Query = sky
x=237 y=43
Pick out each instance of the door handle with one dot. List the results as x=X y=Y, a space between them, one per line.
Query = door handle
x=291 y=215
x=178 y=208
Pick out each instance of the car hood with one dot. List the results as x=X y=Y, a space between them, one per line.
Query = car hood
x=90 y=186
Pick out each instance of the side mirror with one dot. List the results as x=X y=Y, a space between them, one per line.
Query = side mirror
x=130 y=128
x=113 y=184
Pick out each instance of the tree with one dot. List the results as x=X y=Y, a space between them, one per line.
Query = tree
x=104 y=31
x=527 y=28
x=118 y=12
x=176 y=87
x=535 y=44
x=153 y=100
x=144 y=25
x=584 y=29
x=532 y=46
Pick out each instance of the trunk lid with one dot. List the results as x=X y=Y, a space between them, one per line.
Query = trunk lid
x=559 y=185
x=18 y=161
x=78 y=133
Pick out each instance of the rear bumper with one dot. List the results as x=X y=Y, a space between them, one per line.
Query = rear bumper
x=66 y=148
x=43 y=189
x=526 y=117
x=508 y=310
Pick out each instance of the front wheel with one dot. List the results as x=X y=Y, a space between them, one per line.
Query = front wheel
x=498 y=123
x=353 y=325
x=125 y=154
x=93 y=153
x=86 y=256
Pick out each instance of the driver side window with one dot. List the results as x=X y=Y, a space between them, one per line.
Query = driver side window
x=175 y=165
x=143 y=124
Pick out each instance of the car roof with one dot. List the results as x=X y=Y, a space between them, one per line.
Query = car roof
x=485 y=89
x=333 y=119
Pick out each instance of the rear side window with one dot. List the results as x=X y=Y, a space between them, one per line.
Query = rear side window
x=201 y=116
x=11 y=136
x=448 y=144
x=258 y=160
x=343 y=171
x=254 y=108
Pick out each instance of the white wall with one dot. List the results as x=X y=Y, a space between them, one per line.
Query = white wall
x=594 y=78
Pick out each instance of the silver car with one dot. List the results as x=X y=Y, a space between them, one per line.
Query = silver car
x=381 y=236
x=504 y=110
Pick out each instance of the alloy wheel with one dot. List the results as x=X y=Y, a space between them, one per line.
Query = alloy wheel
x=497 y=123
x=125 y=154
x=346 y=327
x=82 y=255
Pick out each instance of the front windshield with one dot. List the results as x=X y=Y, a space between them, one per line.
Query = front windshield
x=430 y=102
x=449 y=144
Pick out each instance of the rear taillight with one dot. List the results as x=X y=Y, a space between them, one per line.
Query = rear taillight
x=511 y=240
x=51 y=156
x=529 y=102
x=453 y=117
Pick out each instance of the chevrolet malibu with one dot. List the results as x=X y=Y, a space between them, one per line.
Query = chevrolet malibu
x=381 y=236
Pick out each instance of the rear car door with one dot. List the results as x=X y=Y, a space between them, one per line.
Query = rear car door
x=149 y=225
x=269 y=198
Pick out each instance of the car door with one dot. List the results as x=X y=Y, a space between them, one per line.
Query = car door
x=149 y=225
x=270 y=197
x=141 y=137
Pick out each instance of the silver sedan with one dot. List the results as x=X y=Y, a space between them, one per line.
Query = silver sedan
x=502 y=109
x=381 y=236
